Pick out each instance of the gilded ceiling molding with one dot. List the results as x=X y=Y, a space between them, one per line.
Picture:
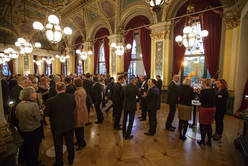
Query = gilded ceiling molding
x=160 y=35
x=94 y=28
x=173 y=8
x=135 y=10
x=232 y=21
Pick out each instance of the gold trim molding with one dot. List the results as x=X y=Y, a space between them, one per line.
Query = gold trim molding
x=232 y=21
x=160 y=35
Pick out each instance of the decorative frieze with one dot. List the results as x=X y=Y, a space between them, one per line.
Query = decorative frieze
x=232 y=21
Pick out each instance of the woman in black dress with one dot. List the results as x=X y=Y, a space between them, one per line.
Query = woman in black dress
x=221 y=106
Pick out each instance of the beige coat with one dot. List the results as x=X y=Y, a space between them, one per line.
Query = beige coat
x=81 y=112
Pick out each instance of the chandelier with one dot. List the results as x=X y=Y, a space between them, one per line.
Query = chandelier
x=48 y=60
x=156 y=4
x=38 y=62
x=25 y=46
x=120 y=48
x=11 y=53
x=53 y=29
x=62 y=58
x=191 y=36
x=4 y=58
x=84 y=54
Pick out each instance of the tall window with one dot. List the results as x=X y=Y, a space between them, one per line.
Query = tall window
x=101 y=67
x=6 y=71
x=136 y=66
x=48 y=69
x=194 y=60
x=80 y=67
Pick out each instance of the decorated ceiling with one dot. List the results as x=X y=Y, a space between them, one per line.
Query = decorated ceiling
x=17 y=16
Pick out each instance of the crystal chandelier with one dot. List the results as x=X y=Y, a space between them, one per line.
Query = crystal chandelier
x=120 y=48
x=190 y=35
x=84 y=54
x=4 y=58
x=25 y=46
x=11 y=53
x=53 y=29
x=48 y=60
x=156 y=4
x=62 y=58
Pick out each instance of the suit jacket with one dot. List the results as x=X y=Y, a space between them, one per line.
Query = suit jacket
x=60 y=109
x=88 y=86
x=159 y=85
x=97 y=93
x=186 y=95
x=172 y=93
x=118 y=94
x=143 y=88
x=130 y=92
x=152 y=99
x=70 y=89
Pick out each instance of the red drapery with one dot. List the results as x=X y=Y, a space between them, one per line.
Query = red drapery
x=10 y=66
x=127 y=56
x=145 y=43
x=244 y=103
x=103 y=32
x=106 y=53
x=35 y=65
x=62 y=68
x=211 y=22
x=135 y=22
x=45 y=66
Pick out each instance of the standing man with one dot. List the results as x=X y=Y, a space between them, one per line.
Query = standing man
x=70 y=88
x=130 y=92
x=109 y=93
x=153 y=103
x=172 y=101
x=97 y=99
x=118 y=101
x=159 y=83
x=60 y=109
x=143 y=104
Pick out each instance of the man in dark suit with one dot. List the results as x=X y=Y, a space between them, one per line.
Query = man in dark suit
x=97 y=99
x=153 y=103
x=172 y=101
x=88 y=86
x=70 y=88
x=143 y=104
x=159 y=83
x=60 y=109
x=130 y=92
x=117 y=98
x=109 y=93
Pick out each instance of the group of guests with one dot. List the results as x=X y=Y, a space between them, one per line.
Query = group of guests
x=67 y=101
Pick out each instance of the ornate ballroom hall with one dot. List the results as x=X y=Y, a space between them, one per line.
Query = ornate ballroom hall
x=196 y=39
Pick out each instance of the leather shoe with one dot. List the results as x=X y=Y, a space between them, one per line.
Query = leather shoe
x=148 y=133
x=170 y=129
x=129 y=137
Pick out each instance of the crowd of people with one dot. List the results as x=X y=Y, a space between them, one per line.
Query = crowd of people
x=68 y=100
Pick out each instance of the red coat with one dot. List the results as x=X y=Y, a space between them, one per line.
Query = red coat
x=206 y=115
x=81 y=112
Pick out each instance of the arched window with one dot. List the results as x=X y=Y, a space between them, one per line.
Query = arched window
x=101 y=65
x=80 y=67
x=48 y=69
x=136 y=66
x=194 y=60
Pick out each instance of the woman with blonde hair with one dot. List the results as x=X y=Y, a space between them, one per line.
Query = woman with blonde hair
x=81 y=112
x=186 y=95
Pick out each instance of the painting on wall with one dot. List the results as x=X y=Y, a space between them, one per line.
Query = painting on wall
x=159 y=58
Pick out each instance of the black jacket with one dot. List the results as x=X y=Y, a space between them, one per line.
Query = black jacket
x=159 y=85
x=221 y=101
x=70 y=89
x=207 y=97
x=109 y=90
x=5 y=94
x=172 y=93
x=117 y=94
x=130 y=92
x=97 y=93
x=152 y=99
x=88 y=86
x=186 y=94
x=14 y=94
x=60 y=109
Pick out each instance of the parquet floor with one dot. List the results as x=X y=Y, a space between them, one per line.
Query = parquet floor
x=106 y=147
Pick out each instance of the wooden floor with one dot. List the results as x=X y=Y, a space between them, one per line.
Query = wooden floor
x=106 y=147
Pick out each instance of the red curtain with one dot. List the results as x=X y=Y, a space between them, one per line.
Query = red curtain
x=127 y=56
x=51 y=67
x=106 y=53
x=145 y=43
x=211 y=22
x=96 y=54
x=45 y=67
x=83 y=65
x=244 y=103
x=62 y=68
x=35 y=65
x=178 y=51
x=10 y=66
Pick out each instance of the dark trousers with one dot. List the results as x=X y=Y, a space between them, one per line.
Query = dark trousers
x=58 y=144
x=79 y=132
x=183 y=126
x=143 y=108
x=130 y=115
x=29 y=151
x=219 y=121
x=152 y=113
x=99 y=112
x=194 y=115
x=206 y=130
x=88 y=107
x=171 y=115
x=118 y=109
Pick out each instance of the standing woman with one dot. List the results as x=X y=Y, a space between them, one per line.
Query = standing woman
x=81 y=112
x=206 y=111
x=221 y=106
x=185 y=107
x=29 y=123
